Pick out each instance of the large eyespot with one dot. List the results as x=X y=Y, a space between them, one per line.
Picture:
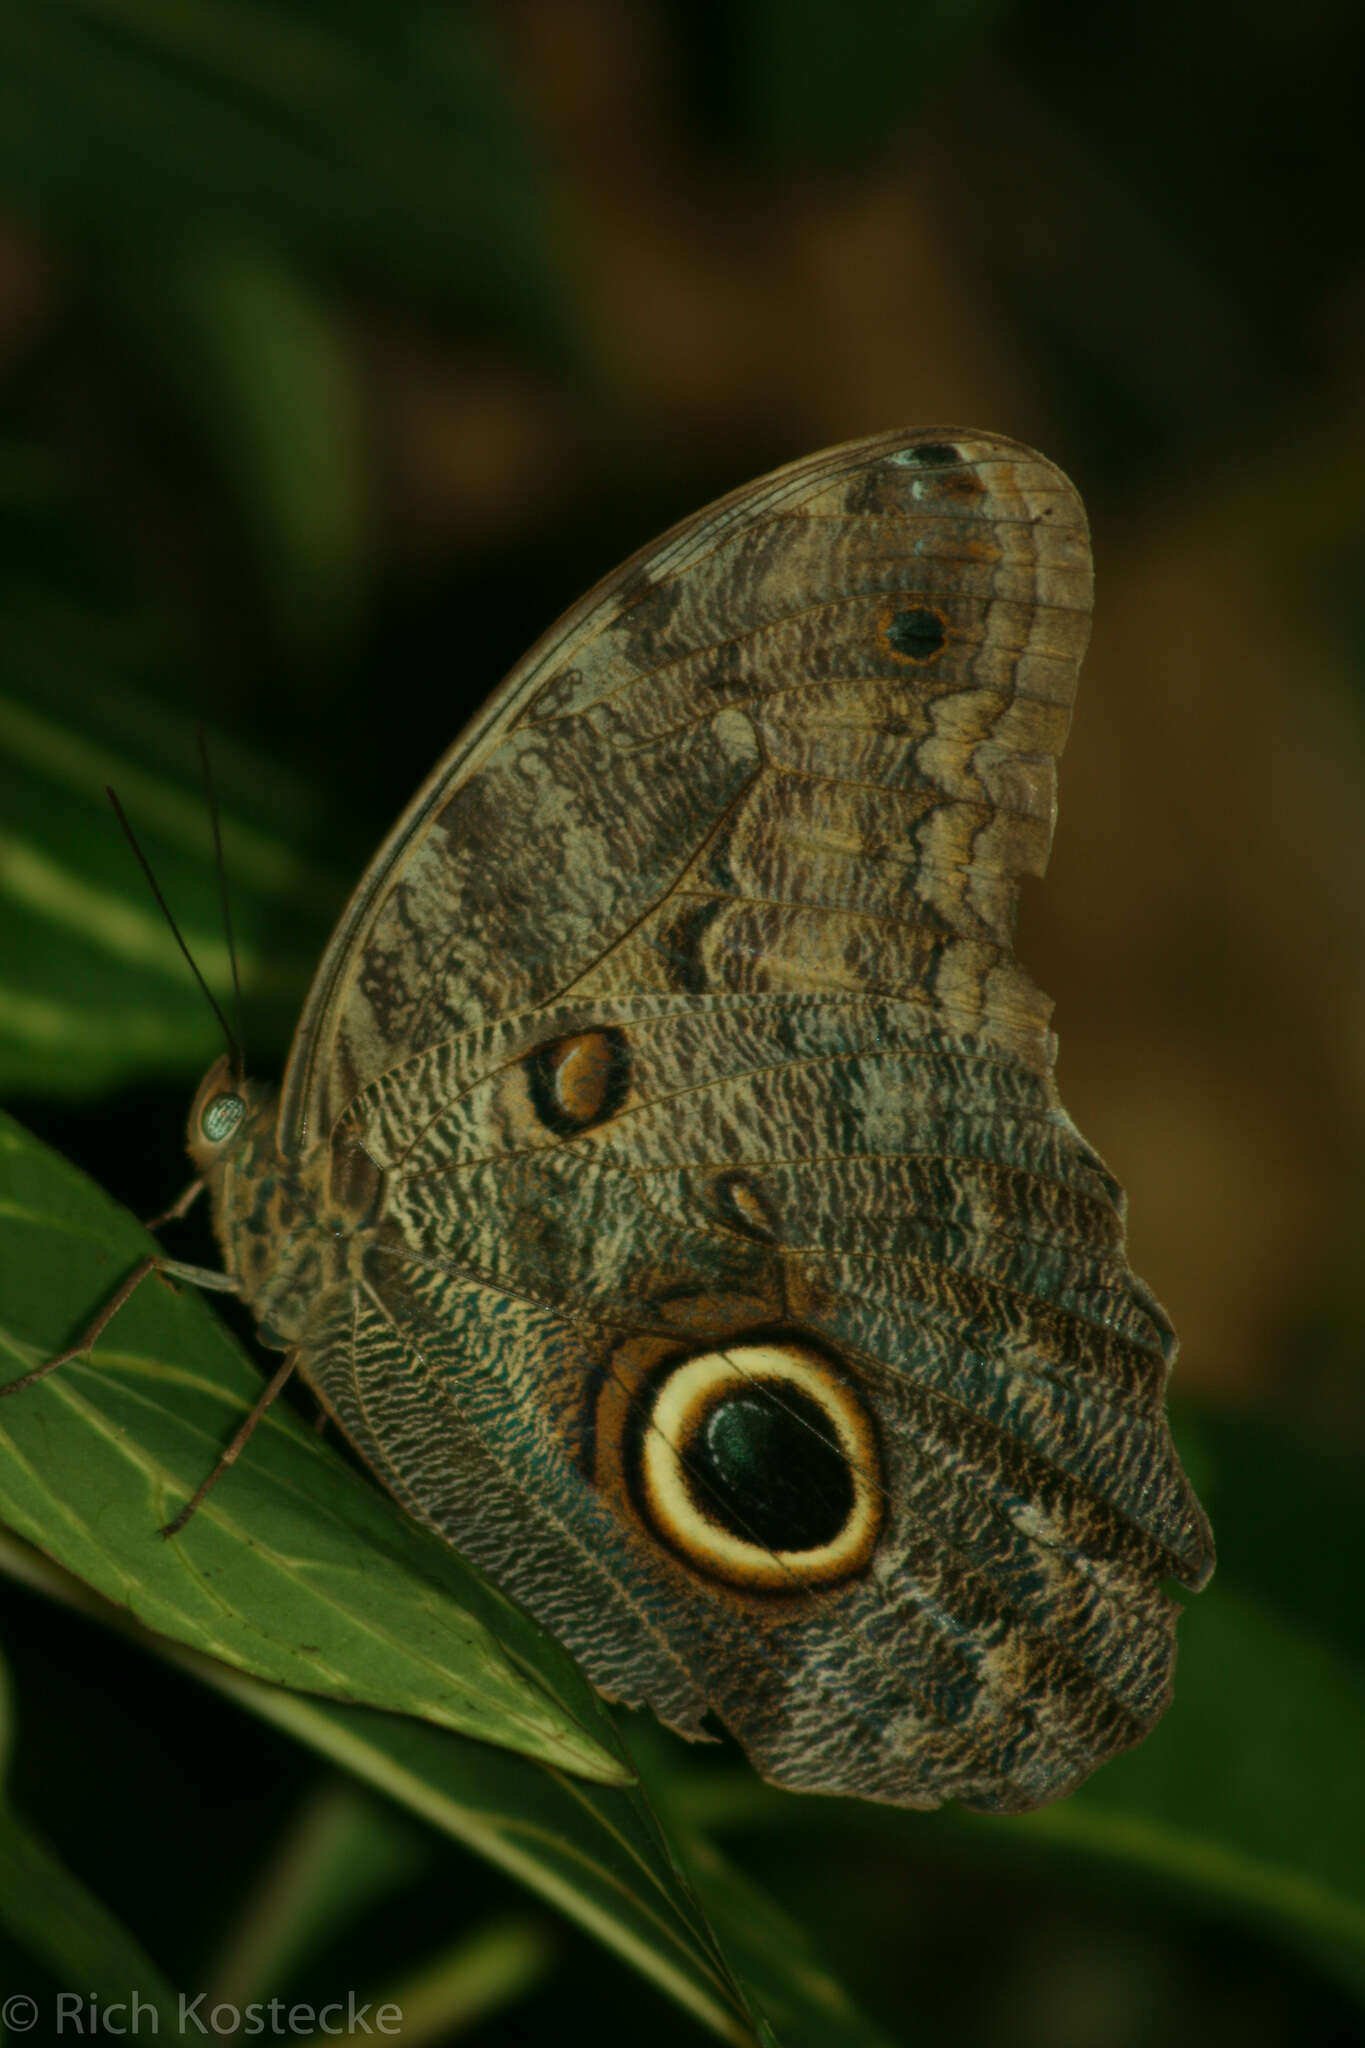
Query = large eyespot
x=758 y=1465
x=220 y=1116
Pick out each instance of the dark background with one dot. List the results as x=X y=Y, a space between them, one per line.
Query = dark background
x=341 y=347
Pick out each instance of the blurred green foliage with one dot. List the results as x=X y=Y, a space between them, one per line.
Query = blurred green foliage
x=384 y=139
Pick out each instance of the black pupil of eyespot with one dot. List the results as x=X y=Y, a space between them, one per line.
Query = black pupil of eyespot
x=769 y=1468
x=917 y=633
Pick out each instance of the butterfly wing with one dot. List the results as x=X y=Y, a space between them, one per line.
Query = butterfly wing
x=791 y=628
x=726 y=1277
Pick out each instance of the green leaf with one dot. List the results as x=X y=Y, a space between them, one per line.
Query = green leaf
x=596 y=1852
x=93 y=990
x=1244 y=1796
x=64 y=1926
x=294 y=1568
x=485 y=1971
x=297 y=1568
x=1245 y=1799
x=800 y=1998
x=1240 y=1796
x=340 y=1854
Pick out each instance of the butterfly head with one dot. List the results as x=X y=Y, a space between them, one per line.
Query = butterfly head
x=223 y=1109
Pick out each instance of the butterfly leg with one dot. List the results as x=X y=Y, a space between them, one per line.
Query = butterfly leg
x=234 y=1450
x=180 y=1207
x=173 y=1269
x=198 y=1276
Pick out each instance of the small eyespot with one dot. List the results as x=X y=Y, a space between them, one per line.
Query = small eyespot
x=220 y=1116
x=580 y=1081
x=935 y=454
x=743 y=1207
x=917 y=634
x=758 y=1465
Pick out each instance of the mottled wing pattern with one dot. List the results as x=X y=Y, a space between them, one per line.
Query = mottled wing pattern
x=723 y=1273
x=836 y=697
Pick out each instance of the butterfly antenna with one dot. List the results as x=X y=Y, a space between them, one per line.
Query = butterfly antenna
x=233 y=1047
x=220 y=867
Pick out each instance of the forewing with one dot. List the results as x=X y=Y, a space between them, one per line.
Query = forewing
x=807 y=740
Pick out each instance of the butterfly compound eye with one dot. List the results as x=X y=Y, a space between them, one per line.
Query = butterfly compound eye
x=220 y=1116
x=758 y=1465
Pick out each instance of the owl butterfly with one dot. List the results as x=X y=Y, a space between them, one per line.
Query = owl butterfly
x=668 y=1194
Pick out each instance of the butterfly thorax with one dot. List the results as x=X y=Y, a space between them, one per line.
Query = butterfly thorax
x=272 y=1215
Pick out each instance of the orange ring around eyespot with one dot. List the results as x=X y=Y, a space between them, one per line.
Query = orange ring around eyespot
x=902 y=609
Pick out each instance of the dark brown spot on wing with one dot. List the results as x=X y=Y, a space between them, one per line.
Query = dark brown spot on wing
x=354 y=1181
x=579 y=1081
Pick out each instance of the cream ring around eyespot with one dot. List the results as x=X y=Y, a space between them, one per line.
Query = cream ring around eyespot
x=686 y=1400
